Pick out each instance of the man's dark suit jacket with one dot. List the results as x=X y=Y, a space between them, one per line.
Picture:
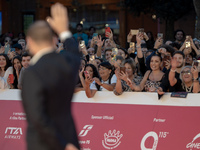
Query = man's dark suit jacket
x=47 y=91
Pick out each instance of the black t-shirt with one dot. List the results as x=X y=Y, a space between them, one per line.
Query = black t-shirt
x=165 y=85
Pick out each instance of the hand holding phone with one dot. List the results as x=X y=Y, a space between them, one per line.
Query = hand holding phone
x=196 y=63
x=122 y=69
x=87 y=75
x=187 y=44
x=134 y=32
x=107 y=30
x=160 y=35
x=92 y=57
x=82 y=43
x=114 y=53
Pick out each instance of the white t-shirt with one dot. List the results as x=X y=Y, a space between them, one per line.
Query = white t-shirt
x=3 y=80
x=113 y=80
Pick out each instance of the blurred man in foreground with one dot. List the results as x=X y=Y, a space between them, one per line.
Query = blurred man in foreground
x=48 y=85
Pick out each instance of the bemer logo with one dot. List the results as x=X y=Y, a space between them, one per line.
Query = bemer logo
x=13 y=130
x=85 y=130
x=193 y=145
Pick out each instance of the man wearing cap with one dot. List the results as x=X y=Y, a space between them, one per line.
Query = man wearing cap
x=18 y=49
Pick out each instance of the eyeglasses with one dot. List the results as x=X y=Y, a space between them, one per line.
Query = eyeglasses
x=102 y=68
x=186 y=72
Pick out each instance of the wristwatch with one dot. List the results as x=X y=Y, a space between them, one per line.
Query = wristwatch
x=197 y=79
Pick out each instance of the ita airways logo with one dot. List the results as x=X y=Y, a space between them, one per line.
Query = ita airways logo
x=155 y=136
x=85 y=130
x=13 y=133
x=194 y=145
x=112 y=139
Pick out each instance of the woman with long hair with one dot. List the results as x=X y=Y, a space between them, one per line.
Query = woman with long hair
x=152 y=78
x=16 y=66
x=125 y=76
x=88 y=71
x=5 y=70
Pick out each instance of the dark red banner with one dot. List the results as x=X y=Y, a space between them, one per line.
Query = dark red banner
x=104 y=126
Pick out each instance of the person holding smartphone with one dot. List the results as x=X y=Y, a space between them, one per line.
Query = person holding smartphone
x=126 y=77
x=80 y=34
x=188 y=81
x=16 y=67
x=106 y=82
x=87 y=74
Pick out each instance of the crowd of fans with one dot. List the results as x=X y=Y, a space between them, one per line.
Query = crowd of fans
x=149 y=64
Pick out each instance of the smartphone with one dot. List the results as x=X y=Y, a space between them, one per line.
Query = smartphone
x=7 y=48
x=122 y=68
x=160 y=35
x=87 y=75
x=95 y=35
x=134 y=32
x=92 y=57
x=132 y=44
x=197 y=64
x=141 y=30
x=187 y=44
x=188 y=37
x=82 y=43
x=12 y=49
x=114 y=53
x=11 y=76
x=107 y=29
x=165 y=58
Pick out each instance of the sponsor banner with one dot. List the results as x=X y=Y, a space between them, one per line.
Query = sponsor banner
x=129 y=124
x=13 y=125
x=138 y=126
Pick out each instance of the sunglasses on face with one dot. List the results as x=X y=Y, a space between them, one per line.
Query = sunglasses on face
x=186 y=72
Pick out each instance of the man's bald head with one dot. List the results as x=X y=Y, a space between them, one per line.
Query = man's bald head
x=40 y=31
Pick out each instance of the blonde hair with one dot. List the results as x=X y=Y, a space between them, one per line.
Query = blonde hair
x=180 y=76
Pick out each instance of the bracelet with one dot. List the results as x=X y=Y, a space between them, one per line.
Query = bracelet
x=197 y=79
x=173 y=70
x=138 y=46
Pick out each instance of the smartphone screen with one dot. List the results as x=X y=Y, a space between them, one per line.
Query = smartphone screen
x=92 y=57
x=134 y=32
x=114 y=53
x=82 y=43
x=7 y=48
x=132 y=44
x=160 y=35
x=12 y=49
x=95 y=35
x=187 y=44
